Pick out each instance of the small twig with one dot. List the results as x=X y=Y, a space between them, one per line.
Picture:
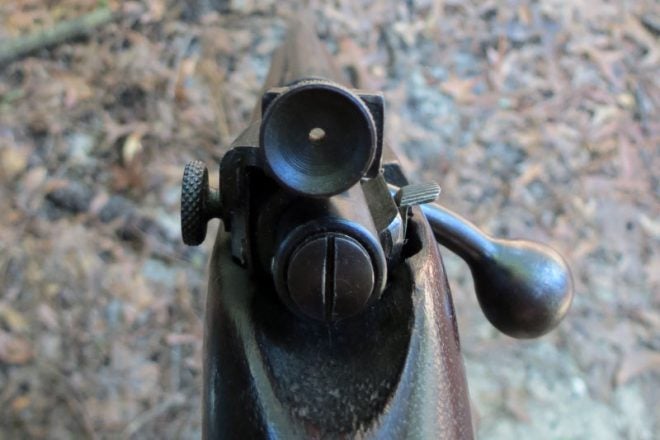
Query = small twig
x=63 y=31
x=76 y=406
x=72 y=398
x=134 y=426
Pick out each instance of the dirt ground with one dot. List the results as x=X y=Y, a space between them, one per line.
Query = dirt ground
x=539 y=119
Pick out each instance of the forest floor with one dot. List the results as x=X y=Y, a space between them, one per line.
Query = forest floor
x=539 y=120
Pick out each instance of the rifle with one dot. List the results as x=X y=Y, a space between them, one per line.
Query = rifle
x=328 y=311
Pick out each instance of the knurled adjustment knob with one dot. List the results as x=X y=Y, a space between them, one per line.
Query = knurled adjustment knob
x=199 y=203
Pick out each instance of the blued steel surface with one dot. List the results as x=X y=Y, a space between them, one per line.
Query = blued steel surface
x=524 y=288
x=394 y=371
x=338 y=158
x=330 y=275
x=346 y=215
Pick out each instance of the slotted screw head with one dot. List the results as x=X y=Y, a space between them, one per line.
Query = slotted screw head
x=330 y=277
x=194 y=203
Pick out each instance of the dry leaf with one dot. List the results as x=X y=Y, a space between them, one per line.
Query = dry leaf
x=12 y=162
x=14 y=350
x=20 y=403
x=186 y=70
x=14 y=319
x=181 y=338
x=132 y=147
x=651 y=226
x=459 y=88
x=48 y=316
x=636 y=363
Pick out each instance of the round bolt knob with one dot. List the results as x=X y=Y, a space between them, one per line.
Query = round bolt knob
x=524 y=288
x=330 y=277
x=199 y=203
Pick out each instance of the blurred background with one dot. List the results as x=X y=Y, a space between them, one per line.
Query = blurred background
x=539 y=119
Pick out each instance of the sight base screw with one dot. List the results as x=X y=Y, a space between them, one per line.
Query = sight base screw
x=330 y=277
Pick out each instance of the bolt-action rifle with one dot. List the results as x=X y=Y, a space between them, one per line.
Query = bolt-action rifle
x=328 y=311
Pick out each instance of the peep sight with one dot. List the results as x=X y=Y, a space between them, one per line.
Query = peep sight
x=317 y=138
x=296 y=194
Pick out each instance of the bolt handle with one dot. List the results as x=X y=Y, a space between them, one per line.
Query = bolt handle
x=199 y=203
x=524 y=288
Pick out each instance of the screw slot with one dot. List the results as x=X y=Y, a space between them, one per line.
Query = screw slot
x=330 y=277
